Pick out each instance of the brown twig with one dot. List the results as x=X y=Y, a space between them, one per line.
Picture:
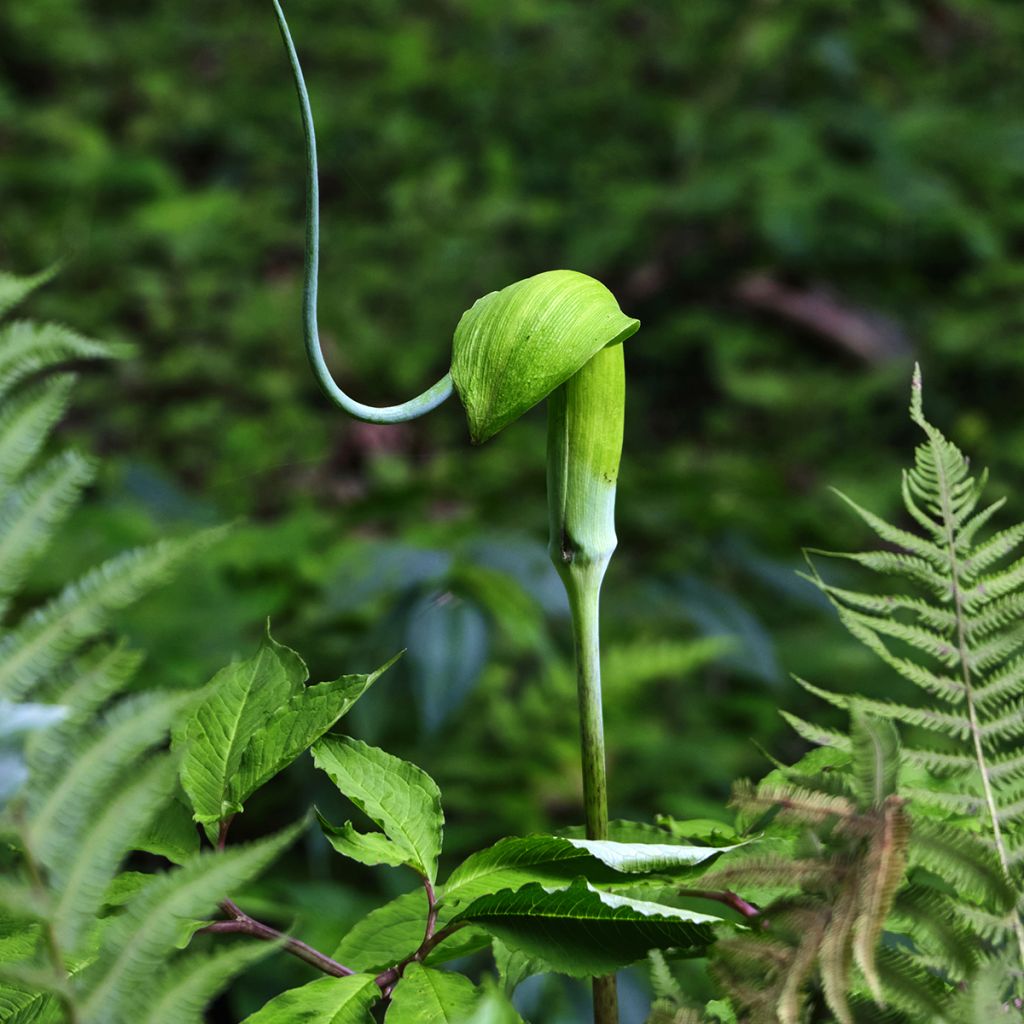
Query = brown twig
x=241 y=923
x=730 y=899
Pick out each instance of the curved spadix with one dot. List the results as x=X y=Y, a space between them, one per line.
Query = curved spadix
x=513 y=347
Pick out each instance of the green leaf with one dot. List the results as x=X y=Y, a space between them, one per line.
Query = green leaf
x=514 y=966
x=390 y=933
x=171 y=834
x=558 y=860
x=295 y=727
x=324 y=1001
x=386 y=935
x=513 y=347
x=370 y=848
x=242 y=697
x=581 y=931
x=426 y=996
x=399 y=797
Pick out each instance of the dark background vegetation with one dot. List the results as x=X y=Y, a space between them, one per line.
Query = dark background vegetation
x=796 y=198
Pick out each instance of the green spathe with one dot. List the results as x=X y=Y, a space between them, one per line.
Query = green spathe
x=513 y=347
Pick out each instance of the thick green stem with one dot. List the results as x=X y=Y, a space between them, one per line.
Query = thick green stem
x=584 y=590
x=585 y=421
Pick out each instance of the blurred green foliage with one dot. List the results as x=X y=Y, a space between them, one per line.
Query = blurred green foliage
x=795 y=198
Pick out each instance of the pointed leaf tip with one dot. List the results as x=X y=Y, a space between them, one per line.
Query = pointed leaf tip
x=513 y=347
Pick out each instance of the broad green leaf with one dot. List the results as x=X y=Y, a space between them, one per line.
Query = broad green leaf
x=324 y=1001
x=390 y=933
x=370 y=848
x=295 y=727
x=126 y=886
x=399 y=797
x=581 y=931
x=426 y=996
x=513 y=347
x=242 y=697
x=558 y=860
x=171 y=834
x=493 y=1007
x=514 y=966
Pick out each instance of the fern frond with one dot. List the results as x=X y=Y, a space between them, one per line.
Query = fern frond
x=932 y=919
x=51 y=634
x=192 y=982
x=925 y=718
x=62 y=801
x=940 y=762
x=137 y=798
x=32 y=511
x=28 y=348
x=663 y=983
x=911 y=988
x=15 y=289
x=137 y=943
x=26 y=421
x=880 y=876
x=836 y=953
x=911 y=542
x=963 y=861
x=818 y=734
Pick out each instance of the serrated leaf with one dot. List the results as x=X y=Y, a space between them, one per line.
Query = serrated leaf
x=324 y=1001
x=394 y=931
x=581 y=931
x=513 y=347
x=171 y=834
x=242 y=697
x=558 y=860
x=295 y=727
x=426 y=996
x=396 y=795
x=514 y=966
x=371 y=848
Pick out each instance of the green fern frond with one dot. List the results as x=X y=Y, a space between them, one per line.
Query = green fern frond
x=64 y=795
x=28 y=348
x=193 y=982
x=663 y=983
x=817 y=734
x=51 y=634
x=137 y=944
x=31 y=512
x=969 y=620
x=963 y=860
x=14 y=289
x=26 y=420
x=879 y=879
x=137 y=798
x=934 y=923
